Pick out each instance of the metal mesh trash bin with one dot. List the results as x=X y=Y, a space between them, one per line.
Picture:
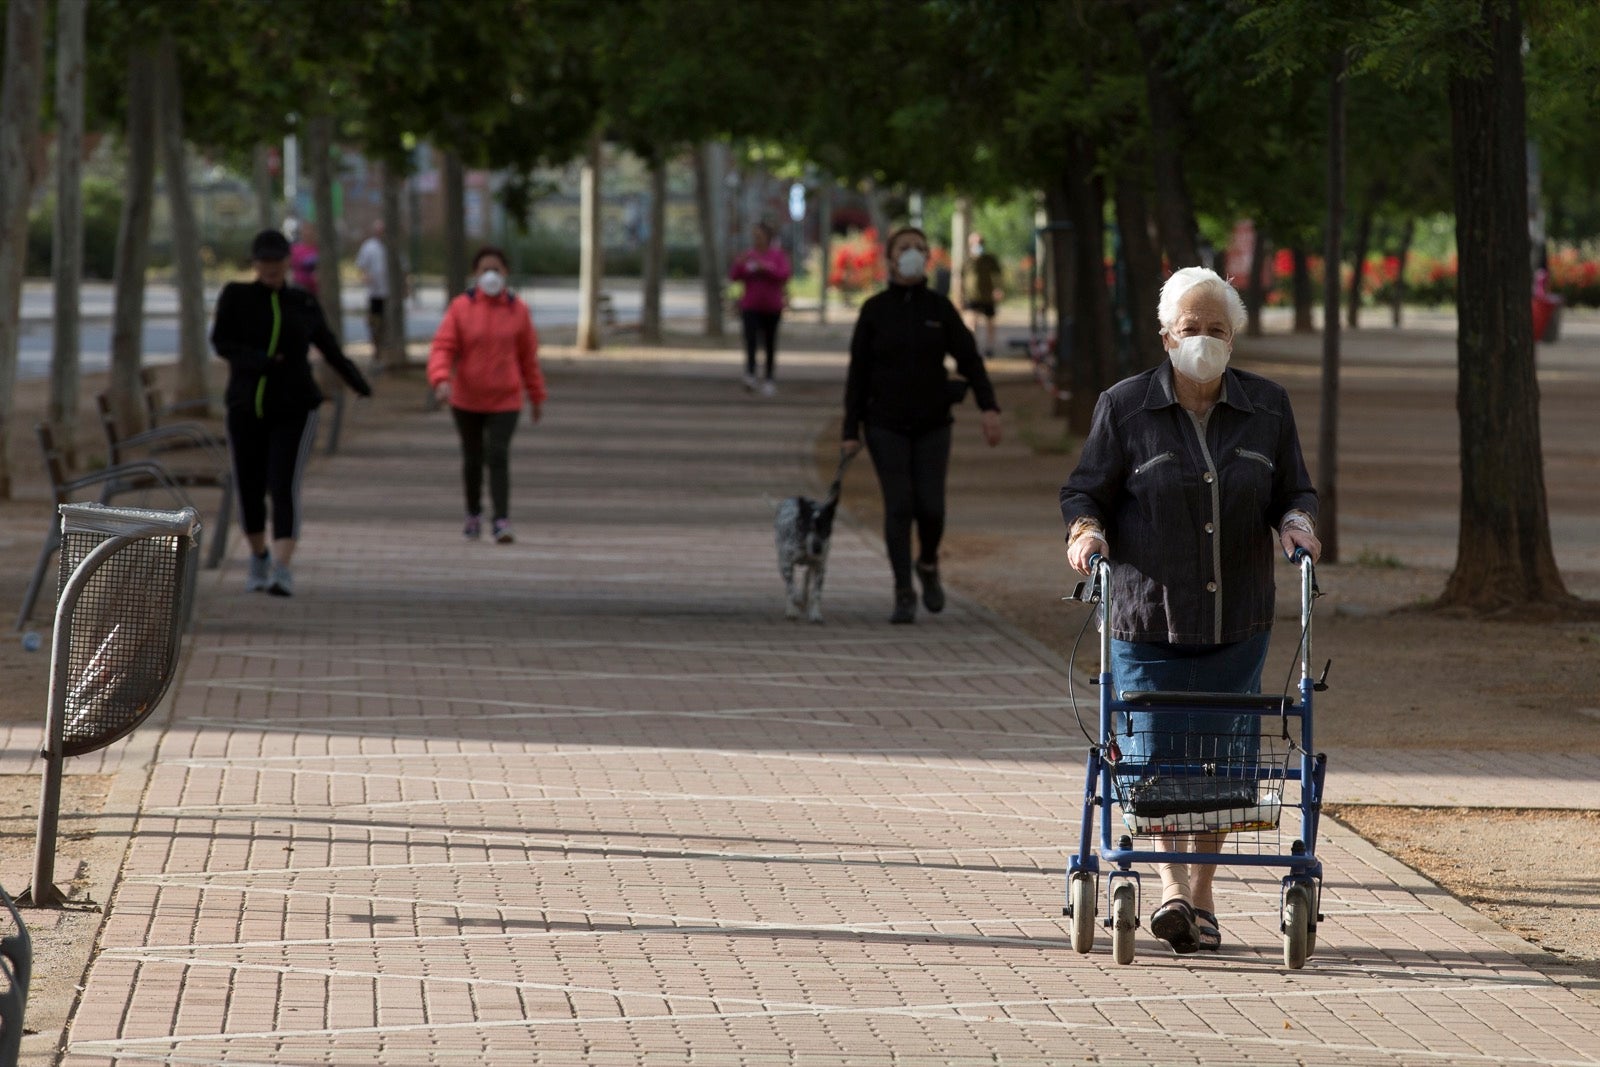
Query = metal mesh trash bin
x=121 y=647
x=127 y=578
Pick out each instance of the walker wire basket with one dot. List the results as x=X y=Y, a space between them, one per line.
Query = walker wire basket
x=1179 y=772
x=122 y=633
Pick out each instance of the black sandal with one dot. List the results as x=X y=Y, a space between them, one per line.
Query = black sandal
x=1174 y=923
x=1208 y=933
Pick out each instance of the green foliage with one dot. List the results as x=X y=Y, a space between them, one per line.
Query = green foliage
x=984 y=97
x=102 y=212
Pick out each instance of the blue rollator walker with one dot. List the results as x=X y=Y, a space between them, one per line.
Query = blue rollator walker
x=1157 y=772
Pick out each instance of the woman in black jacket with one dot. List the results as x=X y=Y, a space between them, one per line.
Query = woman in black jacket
x=265 y=329
x=899 y=391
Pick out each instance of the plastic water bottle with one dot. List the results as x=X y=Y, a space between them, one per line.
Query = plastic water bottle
x=31 y=641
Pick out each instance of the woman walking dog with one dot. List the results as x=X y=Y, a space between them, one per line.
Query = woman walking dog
x=898 y=397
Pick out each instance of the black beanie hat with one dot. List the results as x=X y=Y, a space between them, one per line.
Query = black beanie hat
x=269 y=244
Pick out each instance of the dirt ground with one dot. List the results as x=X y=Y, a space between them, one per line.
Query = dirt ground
x=1402 y=675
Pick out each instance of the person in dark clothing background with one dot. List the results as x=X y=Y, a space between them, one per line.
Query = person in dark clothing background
x=898 y=397
x=265 y=330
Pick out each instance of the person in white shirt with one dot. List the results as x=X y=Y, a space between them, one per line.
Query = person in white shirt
x=371 y=260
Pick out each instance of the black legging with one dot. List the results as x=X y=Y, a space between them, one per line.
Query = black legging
x=268 y=458
x=762 y=327
x=911 y=473
x=486 y=440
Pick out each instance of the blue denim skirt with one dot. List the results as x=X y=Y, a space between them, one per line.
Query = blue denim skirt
x=1156 y=665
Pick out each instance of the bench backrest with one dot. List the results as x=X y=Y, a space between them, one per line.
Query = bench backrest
x=108 y=426
x=55 y=461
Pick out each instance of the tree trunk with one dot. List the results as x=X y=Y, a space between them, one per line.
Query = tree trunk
x=1093 y=336
x=133 y=240
x=1062 y=277
x=1142 y=268
x=707 y=187
x=66 y=259
x=591 y=249
x=19 y=139
x=1169 y=127
x=1303 y=297
x=1332 y=256
x=1398 y=297
x=394 y=234
x=824 y=244
x=319 y=143
x=877 y=214
x=456 y=266
x=655 y=254
x=1255 y=294
x=261 y=180
x=187 y=269
x=1358 y=253
x=1504 y=555
x=960 y=227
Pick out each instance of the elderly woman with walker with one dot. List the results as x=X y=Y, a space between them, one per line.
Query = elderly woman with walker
x=1190 y=481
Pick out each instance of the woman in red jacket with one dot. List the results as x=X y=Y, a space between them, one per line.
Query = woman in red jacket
x=485 y=356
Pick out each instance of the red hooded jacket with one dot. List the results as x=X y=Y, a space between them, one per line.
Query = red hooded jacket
x=488 y=351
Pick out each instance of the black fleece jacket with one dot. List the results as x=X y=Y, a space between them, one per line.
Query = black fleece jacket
x=897 y=377
x=266 y=335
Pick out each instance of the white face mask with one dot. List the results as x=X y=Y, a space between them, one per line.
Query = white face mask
x=1202 y=359
x=491 y=283
x=910 y=263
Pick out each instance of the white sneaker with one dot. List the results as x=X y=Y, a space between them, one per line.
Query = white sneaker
x=769 y=388
x=749 y=383
x=282 y=581
x=259 y=576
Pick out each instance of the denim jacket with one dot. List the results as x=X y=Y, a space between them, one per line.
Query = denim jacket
x=1191 y=523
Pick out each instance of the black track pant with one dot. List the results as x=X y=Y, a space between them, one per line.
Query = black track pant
x=268 y=460
x=911 y=473
x=486 y=441
x=760 y=327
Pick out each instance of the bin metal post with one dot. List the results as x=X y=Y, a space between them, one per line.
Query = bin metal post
x=119 y=676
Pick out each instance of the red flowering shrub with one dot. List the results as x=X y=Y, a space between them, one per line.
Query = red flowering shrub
x=1575 y=279
x=858 y=264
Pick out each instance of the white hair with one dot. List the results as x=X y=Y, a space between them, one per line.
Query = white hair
x=1188 y=279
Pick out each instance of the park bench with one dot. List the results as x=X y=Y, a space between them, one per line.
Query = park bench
x=156 y=412
x=115 y=480
x=203 y=465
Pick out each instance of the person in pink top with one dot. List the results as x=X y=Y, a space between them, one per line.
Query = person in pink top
x=303 y=258
x=485 y=358
x=764 y=270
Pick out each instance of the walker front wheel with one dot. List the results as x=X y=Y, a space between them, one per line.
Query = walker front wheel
x=1296 y=927
x=1083 y=903
x=1124 y=921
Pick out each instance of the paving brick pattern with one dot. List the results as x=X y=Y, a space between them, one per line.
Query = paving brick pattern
x=590 y=799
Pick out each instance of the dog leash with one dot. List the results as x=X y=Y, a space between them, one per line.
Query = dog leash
x=838 y=474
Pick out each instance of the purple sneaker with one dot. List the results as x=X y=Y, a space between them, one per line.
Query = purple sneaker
x=473 y=529
x=502 y=532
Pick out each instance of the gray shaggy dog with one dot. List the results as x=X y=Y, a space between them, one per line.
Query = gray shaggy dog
x=802 y=529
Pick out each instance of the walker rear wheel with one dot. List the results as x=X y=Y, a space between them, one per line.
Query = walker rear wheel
x=1083 y=903
x=1124 y=921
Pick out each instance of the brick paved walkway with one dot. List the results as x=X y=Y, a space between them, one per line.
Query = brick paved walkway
x=590 y=799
